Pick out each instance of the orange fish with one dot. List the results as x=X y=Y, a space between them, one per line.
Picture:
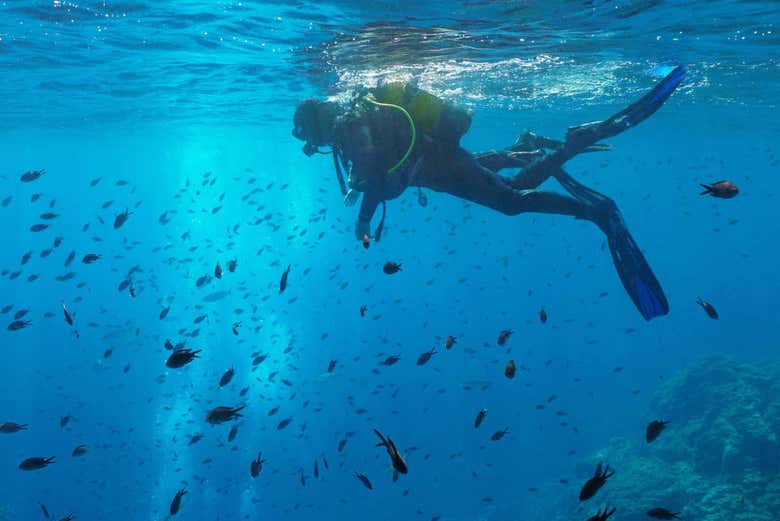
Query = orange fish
x=721 y=189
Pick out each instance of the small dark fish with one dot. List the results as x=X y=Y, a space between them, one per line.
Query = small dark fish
x=65 y=420
x=654 y=429
x=227 y=377
x=71 y=256
x=543 y=316
x=49 y=216
x=79 y=451
x=202 y=281
x=217 y=295
x=316 y=469
x=595 y=483
x=480 y=418
x=395 y=457
x=510 y=369
x=721 y=189
x=164 y=312
x=195 y=439
x=257 y=465
x=391 y=360
x=181 y=357
x=32 y=175
x=366 y=241
x=602 y=515
x=283 y=281
x=233 y=432
x=26 y=257
x=11 y=427
x=503 y=336
x=331 y=366
x=391 y=267
x=223 y=414
x=235 y=327
x=423 y=358
x=284 y=423
x=499 y=434
x=176 y=503
x=273 y=411
x=363 y=479
x=16 y=325
x=218 y=271
x=89 y=258
x=68 y=317
x=95 y=181
x=363 y=310
x=121 y=218
x=36 y=463
x=45 y=511
x=38 y=227
x=21 y=314
x=232 y=265
x=662 y=513
x=709 y=308
x=108 y=352
x=342 y=444
x=450 y=341
x=57 y=242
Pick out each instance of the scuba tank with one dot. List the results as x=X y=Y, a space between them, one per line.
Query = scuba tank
x=441 y=120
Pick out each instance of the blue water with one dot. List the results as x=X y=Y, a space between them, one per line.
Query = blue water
x=149 y=97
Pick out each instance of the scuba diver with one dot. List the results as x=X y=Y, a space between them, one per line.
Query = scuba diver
x=397 y=135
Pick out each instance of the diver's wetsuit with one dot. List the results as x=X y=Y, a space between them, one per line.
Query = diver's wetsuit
x=374 y=140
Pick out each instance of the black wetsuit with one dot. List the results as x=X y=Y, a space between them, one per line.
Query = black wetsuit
x=374 y=139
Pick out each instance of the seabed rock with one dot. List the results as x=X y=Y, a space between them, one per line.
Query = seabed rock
x=718 y=459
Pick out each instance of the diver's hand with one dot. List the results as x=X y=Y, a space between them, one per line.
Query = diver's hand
x=351 y=198
x=362 y=228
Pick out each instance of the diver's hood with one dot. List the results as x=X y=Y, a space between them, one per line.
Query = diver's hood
x=313 y=122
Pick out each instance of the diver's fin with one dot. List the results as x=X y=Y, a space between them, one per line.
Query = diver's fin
x=650 y=102
x=634 y=271
x=580 y=137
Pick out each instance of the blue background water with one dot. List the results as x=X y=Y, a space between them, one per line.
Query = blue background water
x=159 y=94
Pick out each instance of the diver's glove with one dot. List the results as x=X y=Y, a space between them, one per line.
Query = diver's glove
x=362 y=228
x=351 y=197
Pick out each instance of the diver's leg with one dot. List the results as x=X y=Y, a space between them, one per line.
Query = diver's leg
x=496 y=160
x=529 y=141
x=461 y=175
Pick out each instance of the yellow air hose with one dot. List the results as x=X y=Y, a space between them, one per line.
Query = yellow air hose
x=411 y=126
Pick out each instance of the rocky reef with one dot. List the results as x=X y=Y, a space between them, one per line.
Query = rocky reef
x=718 y=459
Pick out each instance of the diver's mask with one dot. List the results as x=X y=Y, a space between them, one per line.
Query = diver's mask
x=310 y=149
